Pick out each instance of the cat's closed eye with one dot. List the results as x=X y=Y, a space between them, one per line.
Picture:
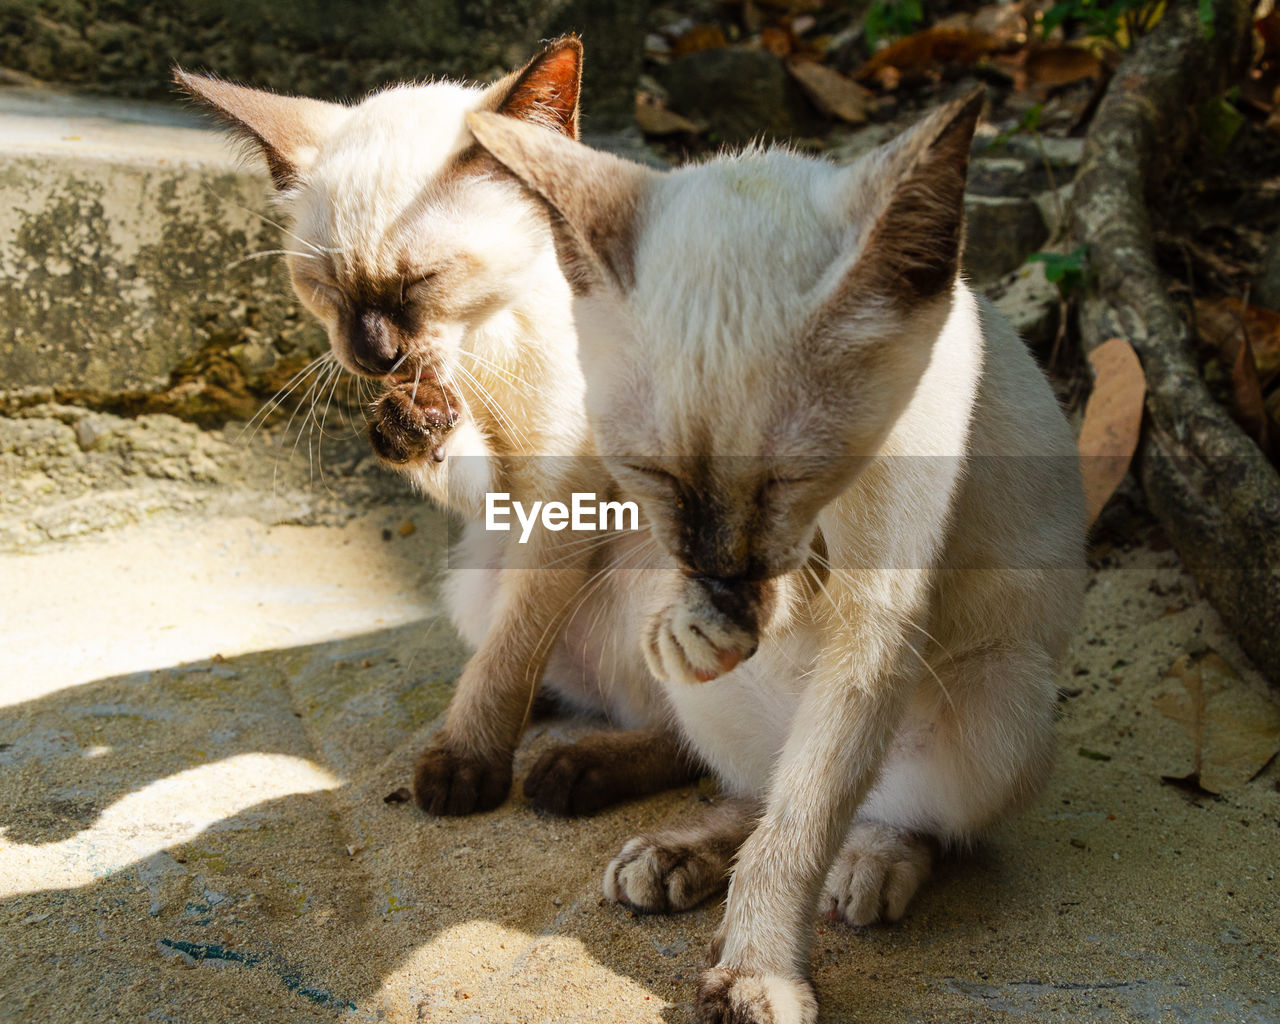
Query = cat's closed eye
x=321 y=292
x=412 y=288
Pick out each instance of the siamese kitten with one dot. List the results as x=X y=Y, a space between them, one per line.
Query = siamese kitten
x=435 y=273
x=870 y=517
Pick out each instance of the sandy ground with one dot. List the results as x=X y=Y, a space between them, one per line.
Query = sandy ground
x=202 y=709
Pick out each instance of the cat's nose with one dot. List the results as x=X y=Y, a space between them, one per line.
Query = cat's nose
x=375 y=345
x=736 y=598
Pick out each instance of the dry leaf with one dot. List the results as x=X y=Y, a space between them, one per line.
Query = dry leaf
x=776 y=40
x=1234 y=330
x=1049 y=66
x=655 y=119
x=699 y=38
x=1220 y=322
x=1233 y=727
x=1112 y=422
x=932 y=46
x=830 y=91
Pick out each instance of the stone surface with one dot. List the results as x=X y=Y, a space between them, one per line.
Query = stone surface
x=1031 y=304
x=127 y=237
x=335 y=50
x=1000 y=233
x=202 y=715
x=741 y=94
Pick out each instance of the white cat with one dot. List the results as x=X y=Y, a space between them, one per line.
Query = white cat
x=435 y=273
x=870 y=514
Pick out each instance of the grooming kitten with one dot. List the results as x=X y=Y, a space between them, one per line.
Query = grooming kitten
x=870 y=511
x=435 y=273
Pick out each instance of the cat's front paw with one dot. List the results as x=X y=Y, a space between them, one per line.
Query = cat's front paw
x=726 y=996
x=656 y=877
x=569 y=781
x=876 y=875
x=448 y=782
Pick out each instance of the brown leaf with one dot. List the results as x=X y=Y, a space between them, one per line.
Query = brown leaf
x=1231 y=328
x=1048 y=66
x=776 y=40
x=932 y=46
x=655 y=119
x=830 y=91
x=1112 y=422
x=1221 y=321
x=699 y=38
x=1233 y=727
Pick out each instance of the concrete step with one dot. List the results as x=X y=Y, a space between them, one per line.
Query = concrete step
x=124 y=232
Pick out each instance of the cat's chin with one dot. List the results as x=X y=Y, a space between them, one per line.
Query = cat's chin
x=412 y=420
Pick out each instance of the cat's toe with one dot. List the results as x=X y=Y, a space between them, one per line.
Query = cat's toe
x=450 y=783
x=656 y=878
x=568 y=781
x=876 y=875
x=726 y=996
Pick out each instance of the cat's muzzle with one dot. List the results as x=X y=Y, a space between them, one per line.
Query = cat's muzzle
x=412 y=420
x=711 y=628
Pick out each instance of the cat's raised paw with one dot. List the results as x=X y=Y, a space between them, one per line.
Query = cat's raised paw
x=657 y=877
x=726 y=996
x=569 y=781
x=446 y=782
x=877 y=873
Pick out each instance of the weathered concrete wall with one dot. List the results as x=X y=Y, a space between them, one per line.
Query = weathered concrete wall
x=329 y=48
x=122 y=262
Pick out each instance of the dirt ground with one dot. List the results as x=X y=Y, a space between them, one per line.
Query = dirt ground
x=214 y=678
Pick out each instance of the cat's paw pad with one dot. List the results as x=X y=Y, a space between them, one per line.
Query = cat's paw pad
x=569 y=781
x=654 y=877
x=877 y=873
x=447 y=782
x=726 y=996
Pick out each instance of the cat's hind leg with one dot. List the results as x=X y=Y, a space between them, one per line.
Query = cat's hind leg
x=606 y=768
x=975 y=745
x=878 y=871
x=677 y=869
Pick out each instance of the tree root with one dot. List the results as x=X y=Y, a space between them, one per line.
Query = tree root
x=1210 y=486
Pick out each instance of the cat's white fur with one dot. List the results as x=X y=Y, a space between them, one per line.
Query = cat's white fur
x=394 y=188
x=907 y=697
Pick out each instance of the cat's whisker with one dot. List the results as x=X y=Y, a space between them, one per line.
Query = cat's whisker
x=555 y=627
x=276 y=401
x=275 y=224
x=417 y=377
x=497 y=368
x=270 y=252
x=924 y=663
x=494 y=407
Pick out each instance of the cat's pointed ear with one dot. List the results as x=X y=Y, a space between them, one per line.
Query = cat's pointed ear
x=545 y=91
x=913 y=251
x=288 y=130
x=598 y=196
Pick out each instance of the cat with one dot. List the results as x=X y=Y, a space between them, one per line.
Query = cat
x=436 y=276
x=868 y=516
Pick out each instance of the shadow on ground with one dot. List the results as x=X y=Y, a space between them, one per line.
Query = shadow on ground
x=211 y=841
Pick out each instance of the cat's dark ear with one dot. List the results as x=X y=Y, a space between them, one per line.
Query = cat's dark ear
x=913 y=251
x=599 y=197
x=288 y=130
x=545 y=91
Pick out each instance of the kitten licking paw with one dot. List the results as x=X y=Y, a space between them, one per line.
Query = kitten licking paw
x=413 y=418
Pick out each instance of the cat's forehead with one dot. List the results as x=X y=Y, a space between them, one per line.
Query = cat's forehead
x=399 y=132
x=379 y=184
